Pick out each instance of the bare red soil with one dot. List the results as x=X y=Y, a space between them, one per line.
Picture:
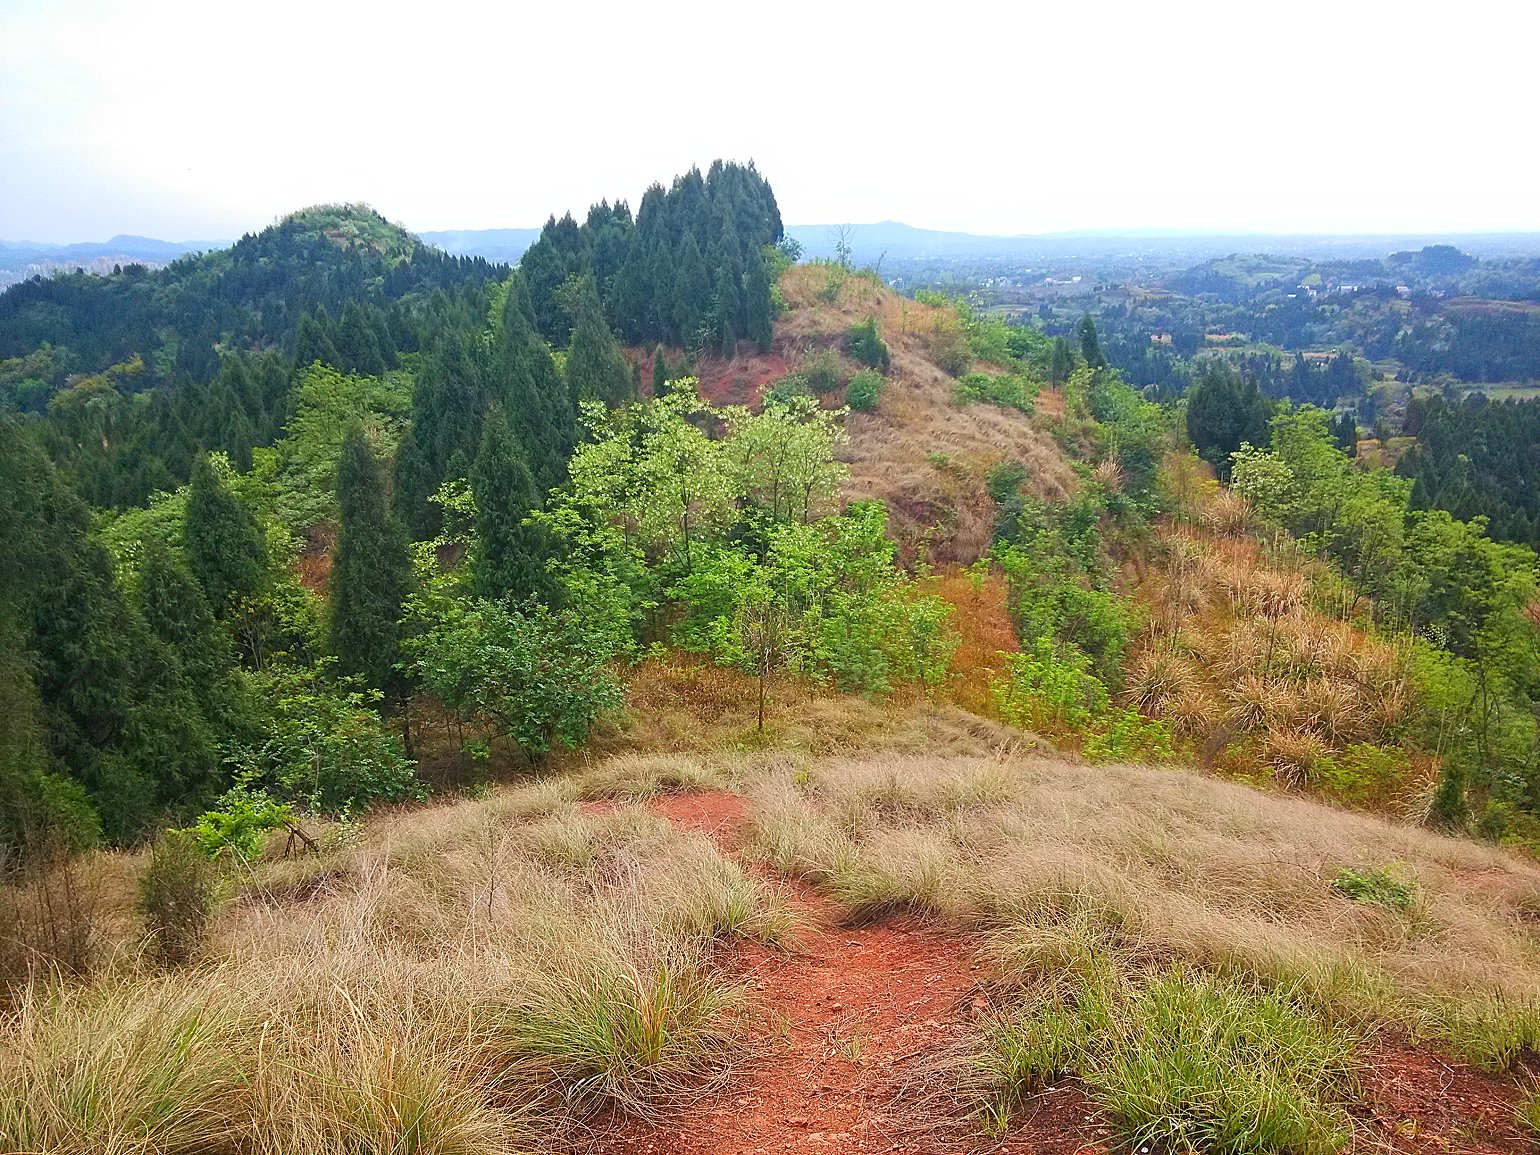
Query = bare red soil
x=1420 y=1103
x=846 y=1020
x=852 y=1021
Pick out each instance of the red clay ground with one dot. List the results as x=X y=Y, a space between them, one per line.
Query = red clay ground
x=850 y=1019
x=845 y=1019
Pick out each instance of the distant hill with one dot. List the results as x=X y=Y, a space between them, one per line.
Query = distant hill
x=505 y=245
x=22 y=259
x=249 y=295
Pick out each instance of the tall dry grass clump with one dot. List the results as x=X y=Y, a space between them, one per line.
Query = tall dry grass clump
x=1258 y=681
x=1063 y=865
x=472 y=978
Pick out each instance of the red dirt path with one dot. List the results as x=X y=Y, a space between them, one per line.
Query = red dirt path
x=850 y=1016
x=845 y=1018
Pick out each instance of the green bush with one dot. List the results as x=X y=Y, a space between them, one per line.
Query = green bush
x=1008 y=390
x=821 y=370
x=867 y=347
x=239 y=823
x=786 y=389
x=177 y=896
x=864 y=391
x=1376 y=886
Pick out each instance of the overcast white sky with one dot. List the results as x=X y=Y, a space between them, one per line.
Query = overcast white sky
x=203 y=119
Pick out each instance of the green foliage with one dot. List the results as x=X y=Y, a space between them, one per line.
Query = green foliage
x=822 y=371
x=867 y=347
x=1050 y=692
x=225 y=545
x=177 y=897
x=1125 y=735
x=239 y=824
x=537 y=676
x=1186 y=1061
x=371 y=571
x=508 y=557
x=1224 y=414
x=322 y=747
x=1008 y=390
x=301 y=469
x=864 y=390
x=1375 y=886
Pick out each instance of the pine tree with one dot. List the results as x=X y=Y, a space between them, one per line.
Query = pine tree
x=1090 y=347
x=177 y=613
x=596 y=367
x=537 y=406
x=759 y=304
x=659 y=372
x=509 y=556
x=223 y=541
x=371 y=571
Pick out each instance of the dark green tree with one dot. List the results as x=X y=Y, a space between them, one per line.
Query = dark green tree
x=1062 y=362
x=758 y=303
x=1090 y=346
x=1223 y=413
x=371 y=571
x=223 y=540
x=691 y=300
x=509 y=556
x=659 y=372
x=596 y=367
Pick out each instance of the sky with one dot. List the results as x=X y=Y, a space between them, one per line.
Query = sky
x=205 y=119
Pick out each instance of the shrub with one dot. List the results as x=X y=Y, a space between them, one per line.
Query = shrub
x=177 y=898
x=787 y=389
x=1008 y=390
x=1375 y=887
x=239 y=823
x=865 y=389
x=868 y=348
x=821 y=370
x=1128 y=736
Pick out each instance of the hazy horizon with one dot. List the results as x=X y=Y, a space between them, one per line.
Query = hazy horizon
x=175 y=119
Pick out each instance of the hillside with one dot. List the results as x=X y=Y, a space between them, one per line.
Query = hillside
x=918 y=450
x=884 y=949
x=880 y=731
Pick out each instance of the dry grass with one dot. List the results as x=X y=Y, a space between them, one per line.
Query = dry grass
x=468 y=978
x=1257 y=680
x=1062 y=864
x=918 y=451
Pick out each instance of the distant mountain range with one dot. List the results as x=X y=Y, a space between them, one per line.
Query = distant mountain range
x=889 y=241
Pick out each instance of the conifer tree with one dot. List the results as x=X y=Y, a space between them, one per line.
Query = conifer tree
x=177 y=613
x=692 y=296
x=523 y=377
x=596 y=368
x=313 y=343
x=725 y=309
x=1062 y=363
x=759 y=305
x=659 y=372
x=509 y=556
x=1090 y=347
x=223 y=541
x=371 y=571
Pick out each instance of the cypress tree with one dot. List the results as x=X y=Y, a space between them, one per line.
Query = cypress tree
x=371 y=570
x=223 y=541
x=759 y=304
x=726 y=308
x=1090 y=347
x=1062 y=363
x=692 y=297
x=537 y=406
x=659 y=372
x=312 y=343
x=596 y=368
x=509 y=556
